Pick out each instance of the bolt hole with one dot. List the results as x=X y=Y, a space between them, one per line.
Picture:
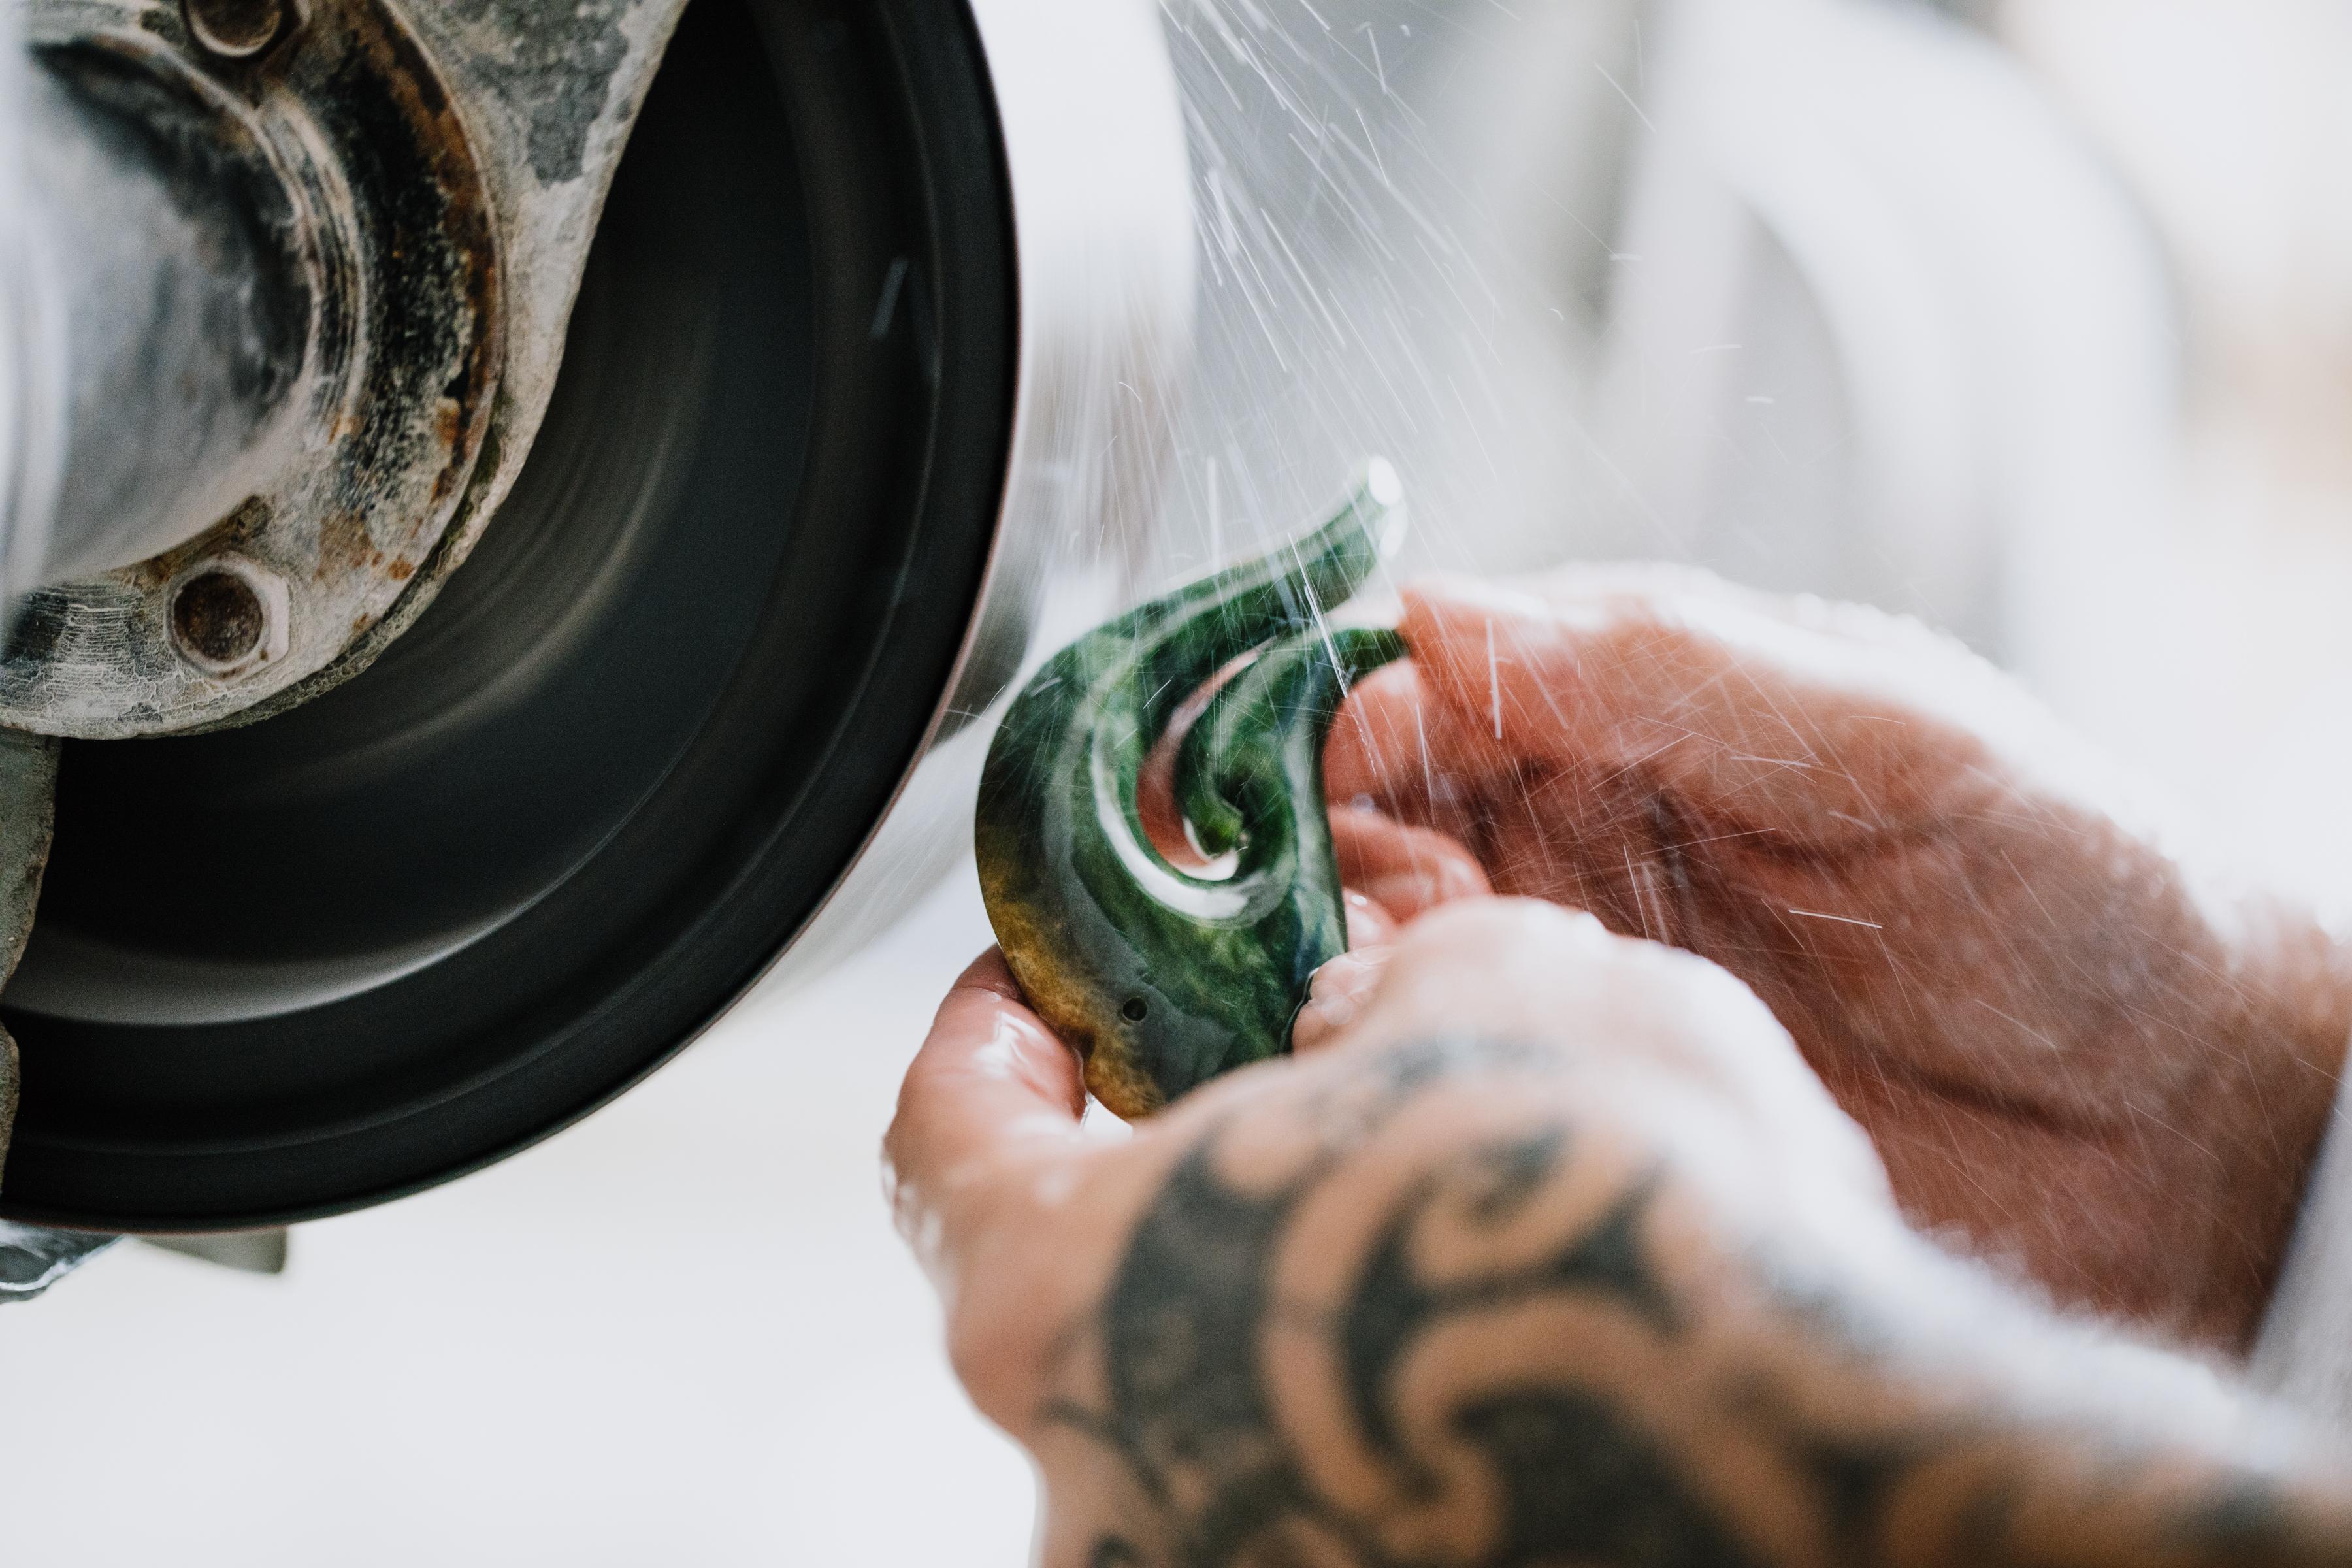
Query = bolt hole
x=1134 y=1011
x=235 y=29
x=219 y=618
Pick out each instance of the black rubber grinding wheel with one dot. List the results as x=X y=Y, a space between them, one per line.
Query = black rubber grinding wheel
x=485 y=886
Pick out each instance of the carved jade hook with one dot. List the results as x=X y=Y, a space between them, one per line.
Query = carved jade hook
x=1161 y=977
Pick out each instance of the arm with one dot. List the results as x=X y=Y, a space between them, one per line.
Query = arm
x=2076 y=1041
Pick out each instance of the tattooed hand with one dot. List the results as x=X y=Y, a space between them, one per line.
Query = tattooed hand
x=2071 y=1044
x=1556 y=1255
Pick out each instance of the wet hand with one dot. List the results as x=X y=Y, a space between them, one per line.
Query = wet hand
x=2071 y=1042
x=1555 y=1252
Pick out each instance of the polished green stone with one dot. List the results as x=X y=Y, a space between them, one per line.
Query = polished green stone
x=1162 y=977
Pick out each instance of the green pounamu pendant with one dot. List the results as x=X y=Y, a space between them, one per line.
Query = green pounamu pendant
x=1162 y=977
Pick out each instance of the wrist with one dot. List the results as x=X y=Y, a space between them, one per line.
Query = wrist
x=2286 y=1018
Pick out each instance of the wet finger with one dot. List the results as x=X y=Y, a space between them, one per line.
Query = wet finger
x=1369 y=923
x=1338 y=996
x=991 y=1084
x=1406 y=870
x=1524 y=975
x=1532 y=971
x=1375 y=748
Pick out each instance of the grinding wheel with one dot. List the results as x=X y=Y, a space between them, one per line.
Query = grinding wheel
x=470 y=895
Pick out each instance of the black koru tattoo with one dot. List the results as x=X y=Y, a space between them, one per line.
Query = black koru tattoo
x=1187 y=1405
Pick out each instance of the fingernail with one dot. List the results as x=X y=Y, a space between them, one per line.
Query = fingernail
x=1369 y=924
x=1336 y=996
x=1318 y=1021
x=1414 y=891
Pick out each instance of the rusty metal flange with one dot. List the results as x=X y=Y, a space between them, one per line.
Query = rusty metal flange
x=353 y=153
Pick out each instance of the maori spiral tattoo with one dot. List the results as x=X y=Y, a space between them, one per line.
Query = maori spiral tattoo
x=1465 y=1449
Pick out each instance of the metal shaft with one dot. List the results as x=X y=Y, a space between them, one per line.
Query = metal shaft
x=163 y=263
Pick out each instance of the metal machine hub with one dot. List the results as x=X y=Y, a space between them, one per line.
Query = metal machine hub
x=867 y=323
x=290 y=347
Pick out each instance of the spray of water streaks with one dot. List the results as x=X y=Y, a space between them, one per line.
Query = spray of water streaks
x=1359 y=289
x=1347 y=299
x=1163 y=977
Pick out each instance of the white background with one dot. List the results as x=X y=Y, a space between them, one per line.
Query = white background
x=2043 y=330
x=681 y=1334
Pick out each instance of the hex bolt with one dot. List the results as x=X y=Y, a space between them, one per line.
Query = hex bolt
x=229 y=616
x=235 y=29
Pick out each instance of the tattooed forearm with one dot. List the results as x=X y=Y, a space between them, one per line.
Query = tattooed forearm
x=1518 y=1348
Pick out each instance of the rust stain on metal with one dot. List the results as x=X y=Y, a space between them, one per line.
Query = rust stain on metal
x=249 y=520
x=406 y=351
x=345 y=549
